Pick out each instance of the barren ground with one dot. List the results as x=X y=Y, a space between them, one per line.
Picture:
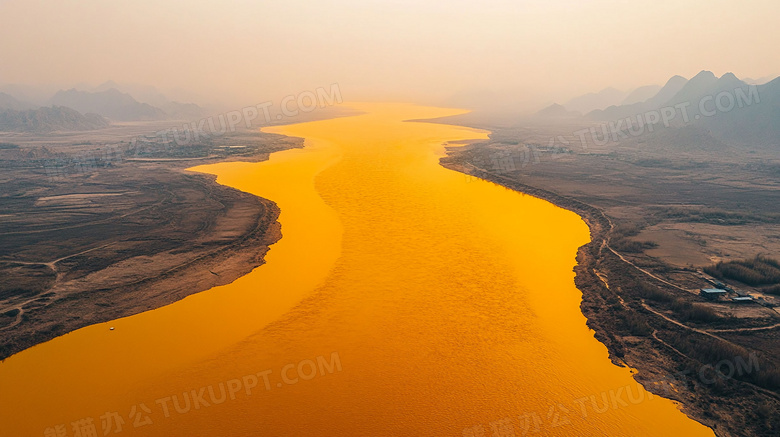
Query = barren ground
x=91 y=232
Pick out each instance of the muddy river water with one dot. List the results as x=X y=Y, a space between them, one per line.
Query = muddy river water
x=403 y=299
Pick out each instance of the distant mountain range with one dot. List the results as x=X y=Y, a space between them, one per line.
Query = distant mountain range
x=611 y=97
x=151 y=96
x=111 y=104
x=664 y=95
x=600 y=100
x=49 y=119
x=142 y=93
x=94 y=108
x=725 y=109
x=17 y=116
x=757 y=123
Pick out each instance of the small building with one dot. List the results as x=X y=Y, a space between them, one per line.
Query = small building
x=742 y=299
x=713 y=293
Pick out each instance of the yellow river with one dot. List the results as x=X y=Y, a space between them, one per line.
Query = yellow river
x=402 y=300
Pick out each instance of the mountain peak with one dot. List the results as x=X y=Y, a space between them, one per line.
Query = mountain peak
x=730 y=80
x=675 y=79
x=704 y=75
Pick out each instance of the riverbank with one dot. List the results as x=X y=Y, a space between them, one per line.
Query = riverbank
x=672 y=360
x=122 y=237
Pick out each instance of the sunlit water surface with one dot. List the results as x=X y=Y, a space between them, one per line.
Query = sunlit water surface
x=449 y=302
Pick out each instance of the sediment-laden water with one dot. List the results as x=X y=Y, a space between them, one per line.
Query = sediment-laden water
x=403 y=299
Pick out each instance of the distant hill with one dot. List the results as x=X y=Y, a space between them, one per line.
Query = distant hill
x=142 y=93
x=723 y=110
x=591 y=101
x=759 y=81
x=694 y=89
x=7 y=101
x=110 y=103
x=757 y=123
x=700 y=92
x=183 y=111
x=150 y=95
x=669 y=90
x=556 y=111
x=663 y=96
x=641 y=94
x=49 y=119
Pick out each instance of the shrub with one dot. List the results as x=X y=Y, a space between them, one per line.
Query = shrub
x=637 y=325
x=687 y=311
x=649 y=292
x=760 y=270
x=775 y=289
x=633 y=246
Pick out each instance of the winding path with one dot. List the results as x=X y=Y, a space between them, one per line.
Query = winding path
x=53 y=266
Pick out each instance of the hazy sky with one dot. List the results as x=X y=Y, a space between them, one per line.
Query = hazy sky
x=243 y=51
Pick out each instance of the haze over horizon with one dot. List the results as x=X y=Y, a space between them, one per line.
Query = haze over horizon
x=494 y=51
